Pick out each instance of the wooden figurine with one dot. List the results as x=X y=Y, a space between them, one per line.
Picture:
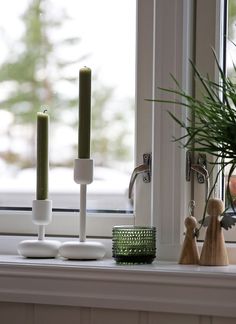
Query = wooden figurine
x=189 y=253
x=214 y=252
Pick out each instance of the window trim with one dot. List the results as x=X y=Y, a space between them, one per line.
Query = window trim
x=104 y=284
x=173 y=47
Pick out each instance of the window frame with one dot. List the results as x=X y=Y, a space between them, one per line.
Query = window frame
x=173 y=47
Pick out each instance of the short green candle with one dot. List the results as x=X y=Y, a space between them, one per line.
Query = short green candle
x=42 y=156
x=84 y=112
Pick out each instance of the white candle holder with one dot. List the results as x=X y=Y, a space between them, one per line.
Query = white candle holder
x=40 y=248
x=82 y=249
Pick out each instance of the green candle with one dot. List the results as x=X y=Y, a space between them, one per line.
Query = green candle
x=84 y=112
x=42 y=155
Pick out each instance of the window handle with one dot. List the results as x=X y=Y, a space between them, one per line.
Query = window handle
x=200 y=168
x=144 y=169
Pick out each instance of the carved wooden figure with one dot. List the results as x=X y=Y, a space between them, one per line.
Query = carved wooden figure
x=189 y=253
x=214 y=252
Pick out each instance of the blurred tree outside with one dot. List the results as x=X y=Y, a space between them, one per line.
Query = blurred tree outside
x=231 y=19
x=231 y=37
x=33 y=75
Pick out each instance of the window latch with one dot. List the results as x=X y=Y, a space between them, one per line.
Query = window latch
x=200 y=168
x=144 y=169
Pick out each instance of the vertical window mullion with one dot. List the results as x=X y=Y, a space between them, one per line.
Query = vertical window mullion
x=170 y=192
x=144 y=85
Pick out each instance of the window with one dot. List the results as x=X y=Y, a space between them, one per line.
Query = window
x=49 y=41
x=167 y=37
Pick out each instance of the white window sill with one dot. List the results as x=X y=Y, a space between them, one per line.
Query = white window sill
x=160 y=287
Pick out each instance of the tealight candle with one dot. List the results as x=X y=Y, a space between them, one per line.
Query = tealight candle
x=42 y=155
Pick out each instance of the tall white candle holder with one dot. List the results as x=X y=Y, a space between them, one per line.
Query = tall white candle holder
x=82 y=249
x=40 y=248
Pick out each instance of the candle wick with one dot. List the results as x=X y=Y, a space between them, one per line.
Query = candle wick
x=45 y=110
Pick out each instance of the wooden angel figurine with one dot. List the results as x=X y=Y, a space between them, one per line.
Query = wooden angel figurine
x=189 y=253
x=214 y=251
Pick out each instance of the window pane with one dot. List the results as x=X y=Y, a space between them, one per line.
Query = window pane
x=43 y=46
x=230 y=60
x=230 y=51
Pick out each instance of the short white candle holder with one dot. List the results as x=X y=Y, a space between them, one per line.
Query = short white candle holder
x=40 y=248
x=82 y=249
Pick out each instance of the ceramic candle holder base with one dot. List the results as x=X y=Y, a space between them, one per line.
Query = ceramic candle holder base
x=82 y=249
x=40 y=248
x=87 y=250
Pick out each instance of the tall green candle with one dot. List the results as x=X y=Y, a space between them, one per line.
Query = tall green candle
x=42 y=155
x=84 y=112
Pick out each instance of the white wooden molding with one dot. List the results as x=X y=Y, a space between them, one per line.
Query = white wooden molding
x=143 y=116
x=173 y=44
x=160 y=287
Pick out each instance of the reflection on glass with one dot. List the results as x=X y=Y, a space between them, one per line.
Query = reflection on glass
x=43 y=45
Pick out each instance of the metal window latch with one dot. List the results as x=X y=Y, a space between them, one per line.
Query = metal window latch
x=144 y=169
x=200 y=168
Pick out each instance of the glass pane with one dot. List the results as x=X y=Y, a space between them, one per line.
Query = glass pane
x=43 y=45
x=230 y=61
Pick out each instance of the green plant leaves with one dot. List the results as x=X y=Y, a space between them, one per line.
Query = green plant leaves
x=214 y=128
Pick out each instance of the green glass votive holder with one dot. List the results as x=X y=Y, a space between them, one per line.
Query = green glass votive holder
x=133 y=244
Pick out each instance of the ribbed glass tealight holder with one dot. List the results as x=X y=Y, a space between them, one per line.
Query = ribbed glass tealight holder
x=134 y=244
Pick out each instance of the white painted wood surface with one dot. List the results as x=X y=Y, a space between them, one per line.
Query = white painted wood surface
x=57 y=291
x=170 y=192
x=20 y=313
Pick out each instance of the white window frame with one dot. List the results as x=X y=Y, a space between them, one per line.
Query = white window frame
x=165 y=43
x=173 y=45
x=171 y=48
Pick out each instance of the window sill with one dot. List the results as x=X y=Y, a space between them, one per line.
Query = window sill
x=160 y=287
